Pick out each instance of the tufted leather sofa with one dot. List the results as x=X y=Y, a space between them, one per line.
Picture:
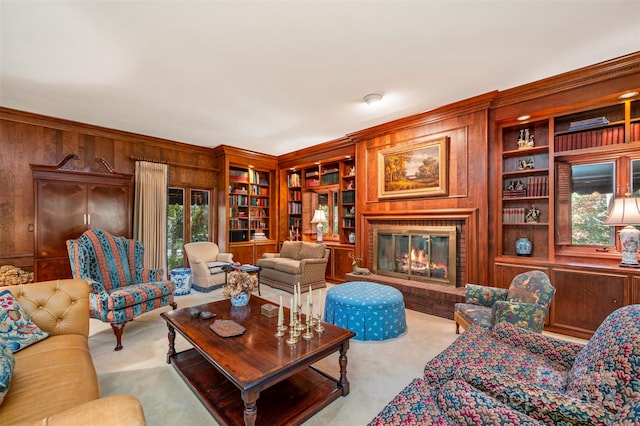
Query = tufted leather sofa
x=54 y=381
x=298 y=262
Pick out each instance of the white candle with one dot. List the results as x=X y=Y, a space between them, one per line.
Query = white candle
x=291 y=312
x=308 y=306
x=280 y=313
x=320 y=302
x=311 y=294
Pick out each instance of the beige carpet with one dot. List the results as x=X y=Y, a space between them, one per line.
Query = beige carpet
x=377 y=371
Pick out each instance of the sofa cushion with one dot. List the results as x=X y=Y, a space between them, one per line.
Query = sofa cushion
x=312 y=251
x=291 y=249
x=7 y=363
x=268 y=262
x=16 y=328
x=289 y=266
x=50 y=376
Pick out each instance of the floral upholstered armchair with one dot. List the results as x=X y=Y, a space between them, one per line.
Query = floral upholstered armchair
x=121 y=288
x=512 y=375
x=525 y=303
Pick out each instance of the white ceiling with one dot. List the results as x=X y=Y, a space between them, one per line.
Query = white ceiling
x=276 y=76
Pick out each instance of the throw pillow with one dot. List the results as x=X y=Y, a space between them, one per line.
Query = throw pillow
x=7 y=362
x=16 y=328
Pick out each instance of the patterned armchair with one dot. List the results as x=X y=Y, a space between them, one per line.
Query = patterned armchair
x=525 y=303
x=516 y=376
x=121 y=288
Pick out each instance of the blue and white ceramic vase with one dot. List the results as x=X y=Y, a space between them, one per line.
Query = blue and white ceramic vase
x=523 y=247
x=240 y=300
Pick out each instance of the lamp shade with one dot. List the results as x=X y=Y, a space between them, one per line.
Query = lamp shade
x=319 y=217
x=624 y=211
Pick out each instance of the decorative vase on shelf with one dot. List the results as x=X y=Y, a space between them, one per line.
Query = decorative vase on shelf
x=240 y=300
x=352 y=238
x=523 y=247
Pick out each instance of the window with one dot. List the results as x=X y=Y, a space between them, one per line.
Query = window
x=592 y=189
x=635 y=178
x=195 y=227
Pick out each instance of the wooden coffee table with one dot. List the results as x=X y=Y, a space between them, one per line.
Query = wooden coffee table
x=256 y=377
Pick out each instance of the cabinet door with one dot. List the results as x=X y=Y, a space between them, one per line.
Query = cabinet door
x=584 y=299
x=109 y=208
x=61 y=209
x=342 y=263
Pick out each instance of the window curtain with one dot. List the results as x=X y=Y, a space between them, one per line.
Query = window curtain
x=150 y=212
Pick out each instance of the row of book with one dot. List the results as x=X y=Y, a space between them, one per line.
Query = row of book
x=295 y=222
x=260 y=202
x=294 y=208
x=235 y=224
x=348 y=223
x=537 y=186
x=238 y=200
x=295 y=195
x=513 y=215
x=260 y=178
x=294 y=180
x=260 y=190
x=589 y=139
x=240 y=176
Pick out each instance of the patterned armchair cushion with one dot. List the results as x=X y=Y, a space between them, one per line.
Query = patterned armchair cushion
x=482 y=348
x=416 y=404
x=548 y=406
x=607 y=370
x=478 y=314
x=531 y=287
x=526 y=315
x=484 y=296
x=467 y=406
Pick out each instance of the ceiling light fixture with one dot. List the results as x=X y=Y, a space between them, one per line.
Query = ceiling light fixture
x=628 y=95
x=523 y=117
x=372 y=98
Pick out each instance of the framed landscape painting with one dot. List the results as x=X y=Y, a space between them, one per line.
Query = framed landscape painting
x=418 y=169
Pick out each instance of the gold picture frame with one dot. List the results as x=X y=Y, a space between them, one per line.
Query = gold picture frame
x=418 y=169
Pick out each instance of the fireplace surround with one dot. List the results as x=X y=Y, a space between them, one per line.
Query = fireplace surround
x=421 y=253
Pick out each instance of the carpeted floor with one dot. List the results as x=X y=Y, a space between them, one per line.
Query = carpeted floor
x=377 y=371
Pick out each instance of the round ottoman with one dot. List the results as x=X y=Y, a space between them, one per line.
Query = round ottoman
x=372 y=311
x=181 y=280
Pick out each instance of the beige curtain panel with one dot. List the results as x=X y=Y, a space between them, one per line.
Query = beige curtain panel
x=150 y=212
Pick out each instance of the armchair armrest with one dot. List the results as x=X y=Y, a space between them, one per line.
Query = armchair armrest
x=559 y=352
x=225 y=257
x=151 y=275
x=538 y=402
x=484 y=296
x=468 y=406
x=526 y=315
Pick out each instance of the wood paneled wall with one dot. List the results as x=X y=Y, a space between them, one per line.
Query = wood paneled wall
x=34 y=139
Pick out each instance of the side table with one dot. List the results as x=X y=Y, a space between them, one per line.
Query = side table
x=248 y=268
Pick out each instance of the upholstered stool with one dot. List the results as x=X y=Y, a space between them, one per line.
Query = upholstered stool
x=372 y=311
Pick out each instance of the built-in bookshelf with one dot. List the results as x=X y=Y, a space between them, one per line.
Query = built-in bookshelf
x=249 y=204
x=294 y=205
x=348 y=201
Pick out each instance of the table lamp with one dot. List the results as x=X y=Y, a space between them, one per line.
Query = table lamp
x=625 y=211
x=319 y=218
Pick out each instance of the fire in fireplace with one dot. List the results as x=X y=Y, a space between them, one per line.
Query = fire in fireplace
x=424 y=254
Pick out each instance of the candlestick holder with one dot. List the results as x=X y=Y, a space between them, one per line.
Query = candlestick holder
x=293 y=335
x=280 y=330
x=319 y=328
x=308 y=334
x=299 y=323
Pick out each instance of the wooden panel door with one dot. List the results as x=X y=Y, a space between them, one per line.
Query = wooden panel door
x=342 y=264
x=109 y=208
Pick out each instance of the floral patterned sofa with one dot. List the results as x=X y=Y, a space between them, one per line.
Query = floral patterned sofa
x=511 y=375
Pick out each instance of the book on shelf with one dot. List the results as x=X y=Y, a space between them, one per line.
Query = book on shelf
x=589 y=122
x=294 y=180
x=513 y=215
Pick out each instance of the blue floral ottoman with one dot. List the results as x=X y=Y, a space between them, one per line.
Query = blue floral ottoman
x=372 y=311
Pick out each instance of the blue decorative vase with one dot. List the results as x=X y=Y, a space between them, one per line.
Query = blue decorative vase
x=181 y=280
x=523 y=247
x=240 y=300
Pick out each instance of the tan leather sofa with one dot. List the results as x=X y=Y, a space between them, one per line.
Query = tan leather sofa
x=54 y=381
x=297 y=262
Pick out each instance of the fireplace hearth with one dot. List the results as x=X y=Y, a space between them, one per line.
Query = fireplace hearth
x=419 y=253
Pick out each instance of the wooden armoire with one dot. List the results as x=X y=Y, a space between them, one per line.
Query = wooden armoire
x=71 y=198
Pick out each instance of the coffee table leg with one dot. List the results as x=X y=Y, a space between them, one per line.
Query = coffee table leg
x=343 y=369
x=250 y=399
x=172 y=343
